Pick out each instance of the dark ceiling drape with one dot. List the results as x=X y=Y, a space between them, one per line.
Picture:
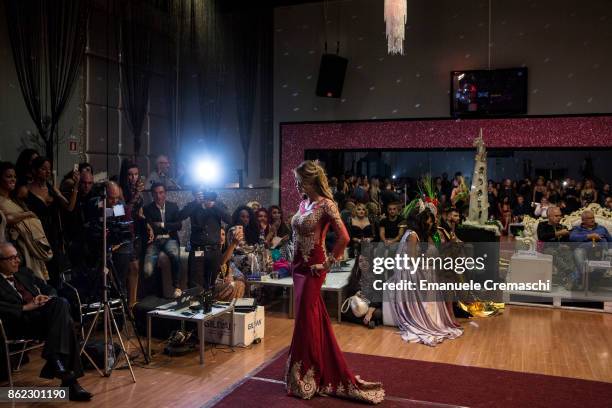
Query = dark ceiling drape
x=252 y=45
x=136 y=18
x=246 y=23
x=211 y=44
x=48 y=40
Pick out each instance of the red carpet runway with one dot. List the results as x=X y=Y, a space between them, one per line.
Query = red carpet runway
x=412 y=383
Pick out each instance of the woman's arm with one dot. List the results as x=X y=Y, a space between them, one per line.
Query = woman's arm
x=16 y=218
x=342 y=236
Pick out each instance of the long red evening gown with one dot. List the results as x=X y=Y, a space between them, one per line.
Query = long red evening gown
x=316 y=364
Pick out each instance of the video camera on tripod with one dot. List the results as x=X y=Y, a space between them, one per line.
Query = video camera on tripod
x=118 y=228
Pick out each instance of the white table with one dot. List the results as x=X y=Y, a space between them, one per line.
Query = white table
x=198 y=317
x=335 y=281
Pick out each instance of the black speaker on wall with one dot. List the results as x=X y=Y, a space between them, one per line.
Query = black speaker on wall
x=331 y=76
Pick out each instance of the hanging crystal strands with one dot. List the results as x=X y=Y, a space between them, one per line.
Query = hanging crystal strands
x=395 y=19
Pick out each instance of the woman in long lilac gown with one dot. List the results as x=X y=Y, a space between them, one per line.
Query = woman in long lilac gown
x=422 y=317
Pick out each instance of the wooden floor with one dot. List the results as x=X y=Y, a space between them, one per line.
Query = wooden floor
x=527 y=339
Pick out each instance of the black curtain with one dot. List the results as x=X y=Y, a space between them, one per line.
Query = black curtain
x=48 y=40
x=210 y=44
x=252 y=44
x=266 y=86
x=136 y=18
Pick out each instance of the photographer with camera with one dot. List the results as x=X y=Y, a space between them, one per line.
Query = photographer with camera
x=206 y=214
x=119 y=233
x=163 y=217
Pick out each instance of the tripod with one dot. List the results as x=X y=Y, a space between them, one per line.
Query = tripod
x=105 y=309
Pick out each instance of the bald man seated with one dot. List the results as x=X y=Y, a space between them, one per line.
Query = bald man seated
x=29 y=308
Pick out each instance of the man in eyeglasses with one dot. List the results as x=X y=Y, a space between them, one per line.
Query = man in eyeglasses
x=29 y=308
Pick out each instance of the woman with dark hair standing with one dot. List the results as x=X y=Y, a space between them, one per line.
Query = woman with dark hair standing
x=23 y=166
x=422 y=317
x=316 y=364
x=45 y=200
x=132 y=186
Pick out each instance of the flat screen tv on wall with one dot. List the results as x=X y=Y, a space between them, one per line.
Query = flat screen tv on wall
x=498 y=92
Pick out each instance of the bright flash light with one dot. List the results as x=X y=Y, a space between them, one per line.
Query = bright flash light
x=206 y=171
x=394 y=177
x=564 y=183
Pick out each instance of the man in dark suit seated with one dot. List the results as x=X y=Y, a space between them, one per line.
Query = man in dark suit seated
x=165 y=221
x=554 y=237
x=29 y=308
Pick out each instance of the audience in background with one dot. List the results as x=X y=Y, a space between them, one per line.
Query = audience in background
x=360 y=229
x=390 y=230
x=23 y=227
x=23 y=165
x=164 y=219
x=230 y=283
x=263 y=225
x=30 y=308
x=245 y=217
x=132 y=186
x=279 y=233
x=46 y=201
x=162 y=174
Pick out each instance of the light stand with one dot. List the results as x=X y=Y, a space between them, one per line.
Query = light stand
x=110 y=323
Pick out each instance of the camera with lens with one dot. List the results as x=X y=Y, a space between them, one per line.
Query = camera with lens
x=119 y=230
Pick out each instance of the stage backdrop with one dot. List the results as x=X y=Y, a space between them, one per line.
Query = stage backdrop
x=526 y=132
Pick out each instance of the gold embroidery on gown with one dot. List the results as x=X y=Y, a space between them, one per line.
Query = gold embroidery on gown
x=306 y=387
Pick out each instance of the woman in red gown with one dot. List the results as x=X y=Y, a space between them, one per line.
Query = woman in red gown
x=316 y=364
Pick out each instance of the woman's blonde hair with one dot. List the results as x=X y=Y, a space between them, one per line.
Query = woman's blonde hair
x=360 y=205
x=311 y=172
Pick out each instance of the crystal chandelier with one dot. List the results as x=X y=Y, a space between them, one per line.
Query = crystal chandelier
x=395 y=18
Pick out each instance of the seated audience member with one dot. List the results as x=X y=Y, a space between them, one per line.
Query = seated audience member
x=164 y=219
x=541 y=208
x=360 y=229
x=162 y=175
x=253 y=205
x=347 y=211
x=245 y=217
x=595 y=239
x=539 y=191
x=521 y=209
x=263 y=224
x=279 y=233
x=588 y=194
x=608 y=203
x=230 y=283
x=605 y=194
x=388 y=194
x=360 y=192
x=448 y=226
x=505 y=213
x=373 y=210
x=23 y=226
x=30 y=308
x=552 y=234
x=84 y=166
x=368 y=310
x=390 y=230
